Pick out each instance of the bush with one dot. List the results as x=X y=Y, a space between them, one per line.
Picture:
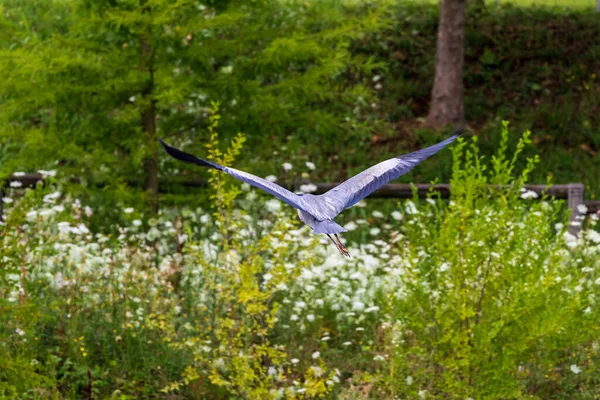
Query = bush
x=491 y=303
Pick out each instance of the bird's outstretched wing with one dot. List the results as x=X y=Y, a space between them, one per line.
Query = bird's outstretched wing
x=360 y=186
x=272 y=188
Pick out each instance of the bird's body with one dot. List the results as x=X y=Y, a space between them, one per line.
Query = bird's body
x=318 y=211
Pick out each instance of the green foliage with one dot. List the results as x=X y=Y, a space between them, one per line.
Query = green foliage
x=239 y=291
x=520 y=65
x=88 y=85
x=491 y=296
x=487 y=296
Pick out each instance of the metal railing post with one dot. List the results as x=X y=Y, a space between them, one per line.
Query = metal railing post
x=575 y=198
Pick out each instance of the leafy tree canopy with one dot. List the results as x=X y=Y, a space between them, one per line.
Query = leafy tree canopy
x=89 y=84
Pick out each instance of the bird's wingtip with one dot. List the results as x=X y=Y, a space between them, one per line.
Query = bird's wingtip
x=459 y=132
x=169 y=149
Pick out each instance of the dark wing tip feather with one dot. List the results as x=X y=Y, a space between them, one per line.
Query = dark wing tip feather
x=459 y=132
x=187 y=157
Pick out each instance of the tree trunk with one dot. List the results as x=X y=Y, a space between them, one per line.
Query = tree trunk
x=149 y=118
x=447 y=96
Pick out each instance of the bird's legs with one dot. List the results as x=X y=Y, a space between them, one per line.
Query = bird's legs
x=334 y=242
x=343 y=248
x=339 y=245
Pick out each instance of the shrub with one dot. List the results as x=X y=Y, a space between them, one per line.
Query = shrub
x=490 y=301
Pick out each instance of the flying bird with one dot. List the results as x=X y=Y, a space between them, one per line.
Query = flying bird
x=318 y=211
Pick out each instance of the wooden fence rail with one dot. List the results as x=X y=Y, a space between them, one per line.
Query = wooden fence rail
x=572 y=192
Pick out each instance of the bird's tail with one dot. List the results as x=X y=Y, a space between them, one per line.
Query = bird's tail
x=328 y=227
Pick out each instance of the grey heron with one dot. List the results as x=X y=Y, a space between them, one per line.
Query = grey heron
x=318 y=211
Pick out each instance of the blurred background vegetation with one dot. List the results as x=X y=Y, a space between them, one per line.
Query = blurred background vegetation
x=87 y=85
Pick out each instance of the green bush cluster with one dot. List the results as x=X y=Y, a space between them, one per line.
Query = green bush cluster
x=493 y=304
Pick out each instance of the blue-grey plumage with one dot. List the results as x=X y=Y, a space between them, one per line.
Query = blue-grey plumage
x=318 y=211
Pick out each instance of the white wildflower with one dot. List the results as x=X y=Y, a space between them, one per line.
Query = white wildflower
x=271 y=178
x=529 y=194
x=593 y=236
x=377 y=214
x=15 y=184
x=310 y=165
x=63 y=227
x=295 y=361
x=411 y=208
x=137 y=222
x=582 y=209
x=575 y=369
x=273 y=206
x=308 y=188
x=310 y=317
x=7 y=200
x=350 y=226
x=374 y=231
x=128 y=210
x=46 y=212
x=287 y=166
x=397 y=215
x=409 y=380
x=316 y=355
x=47 y=173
